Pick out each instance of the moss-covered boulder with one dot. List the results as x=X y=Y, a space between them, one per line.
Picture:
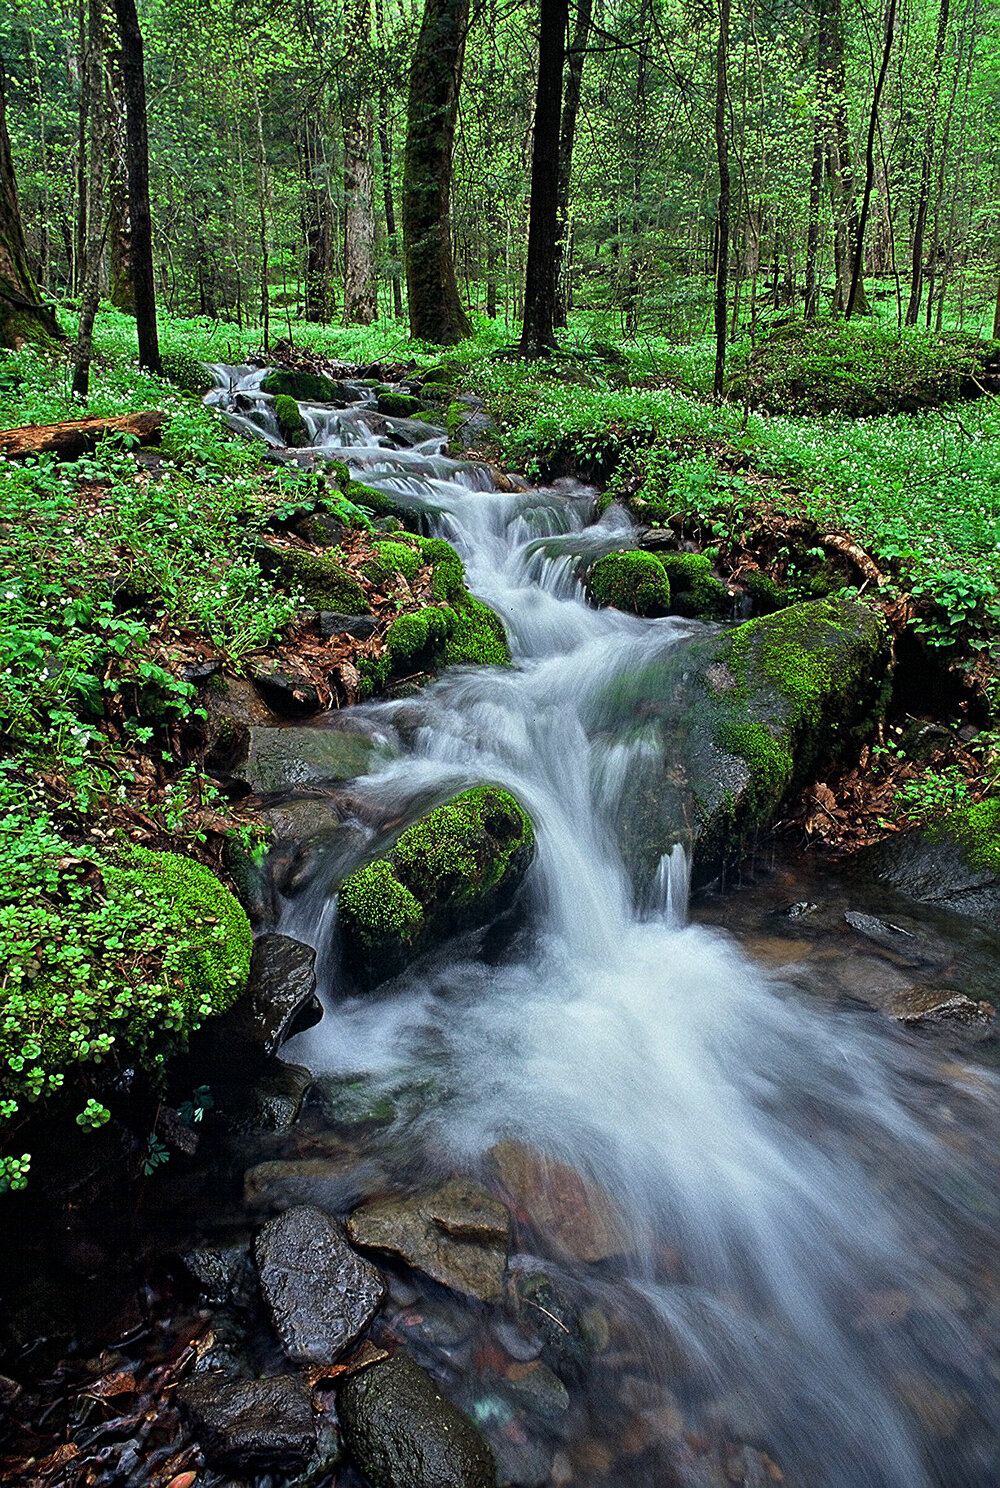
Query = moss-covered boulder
x=323 y=582
x=397 y=405
x=389 y=559
x=455 y=869
x=186 y=372
x=741 y=720
x=694 y=589
x=290 y=421
x=304 y=387
x=636 y=582
x=952 y=863
x=462 y=632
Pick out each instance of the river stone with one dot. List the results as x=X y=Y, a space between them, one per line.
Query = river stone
x=576 y=1216
x=455 y=1232
x=286 y=694
x=222 y=1272
x=320 y=1294
x=937 y=871
x=359 y=627
x=263 y=1425
x=930 y=1007
x=281 y=996
x=403 y=1433
x=285 y=759
x=328 y=1183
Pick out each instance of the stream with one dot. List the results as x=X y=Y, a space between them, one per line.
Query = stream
x=771 y=1253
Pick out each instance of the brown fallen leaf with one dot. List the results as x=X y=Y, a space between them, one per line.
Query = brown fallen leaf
x=363 y=1357
x=122 y=1383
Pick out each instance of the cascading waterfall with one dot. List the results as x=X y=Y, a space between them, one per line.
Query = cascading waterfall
x=801 y=1161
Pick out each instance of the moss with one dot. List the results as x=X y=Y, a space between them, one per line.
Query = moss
x=976 y=829
x=215 y=959
x=767 y=596
x=694 y=589
x=447 y=373
x=187 y=373
x=290 y=422
x=448 y=576
x=397 y=405
x=454 y=868
x=635 y=582
x=304 y=387
x=418 y=638
x=324 y=583
x=478 y=636
x=391 y=558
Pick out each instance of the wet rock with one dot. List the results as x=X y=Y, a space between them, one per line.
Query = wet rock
x=935 y=870
x=329 y=1183
x=575 y=1216
x=403 y=1433
x=224 y=1352
x=320 y=528
x=281 y=997
x=437 y=1325
x=455 y=869
x=875 y=929
x=359 y=627
x=272 y=760
x=536 y=1389
x=259 y=1426
x=930 y=1007
x=232 y=707
x=321 y=1295
x=221 y=1272
x=10 y=1391
x=274 y=1103
x=541 y=1308
x=287 y=695
x=455 y=1232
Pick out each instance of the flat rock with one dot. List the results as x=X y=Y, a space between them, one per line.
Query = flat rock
x=359 y=627
x=263 y=1425
x=327 y=1183
x=455 y=1232
x=403 y=1433
x=281 y=995
x=288 y=695
x=576 y=1216
x=931 y=1007
x=936 y=871
x=321 y=1295
x=285 y=759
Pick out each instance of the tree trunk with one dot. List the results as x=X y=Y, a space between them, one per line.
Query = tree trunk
x=841 y=172
x=93 y=88
x=360 y=282
x=538 y=330
x=22 y=318
x=436 y=312
x=121 y=289
x=320 y=301
x=859 y=241
x=68 y=441
x=392 y=236
x=722 y=152
x=575 y=57
x=134 y=78
x=923 y=196
x=816 y=173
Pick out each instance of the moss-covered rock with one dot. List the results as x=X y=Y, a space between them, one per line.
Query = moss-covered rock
x=478 y=637
x=323 y=582
x=743 y=719
x=952 y=863
x=635 y=582
x=290 y=422
x=976 y=829
x=694 y=589
x=397 y=405
x=454 y=869
x=389 y=559
x=304 y=387
x=464 y=632
x=186 y=372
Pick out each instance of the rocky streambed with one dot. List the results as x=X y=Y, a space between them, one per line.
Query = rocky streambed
x=516 y=1172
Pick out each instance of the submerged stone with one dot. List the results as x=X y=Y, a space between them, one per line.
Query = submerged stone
x=285 y=759
x=403 y=1433
x=321 y=1295
x=455 y=1232
x=259 y=1426
x=455 y=869
x=575 y=1215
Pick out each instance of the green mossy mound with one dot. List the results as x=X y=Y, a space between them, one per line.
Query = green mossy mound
x=323 y=582
x=304 y=387
x=462 y=633
x=694 y=589
x=187 y=373
x=976 y=830
x=856 y=367
x=390 y=559
x=397 y=405
x=290 y=422
x=455 y=869
x=635 y=582
x=478 y=637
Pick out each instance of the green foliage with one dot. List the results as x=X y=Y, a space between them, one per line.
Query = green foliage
x=636 y=582
x=187 y=373
x=854 y=367
x=322 y=582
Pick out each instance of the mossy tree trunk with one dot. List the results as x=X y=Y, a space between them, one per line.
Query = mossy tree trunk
x=538 y=332
x=722 y=155
x=436 y=312
x=93 y=86
x=22 y=319
x=121 y=286
x=360 y=282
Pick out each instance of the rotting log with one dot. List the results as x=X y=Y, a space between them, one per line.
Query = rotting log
x=79 y=436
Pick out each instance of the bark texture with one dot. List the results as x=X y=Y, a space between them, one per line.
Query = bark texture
x=134 y=84
x=538 y=333
x=22 y=318
x=80 y=436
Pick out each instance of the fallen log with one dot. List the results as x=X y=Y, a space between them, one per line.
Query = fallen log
x=68 y=441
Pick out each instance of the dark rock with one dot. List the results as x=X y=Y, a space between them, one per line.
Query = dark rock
x=201 y=672
x=455 y=1232
x=403 y=1433
x=281 y=995
x=259 y=1426
x=232 y=707
x=224 y=1351
x=178 y=1134
x=320 y=528
x=275 y=1101
x=287 y=695
x=360 y=627
x=10 y=1391
x=284 y=759
x=320 y=1294
x=456 y=868
x=933 y=1008
x=330 y=1183
x=222 y=1272
x=935 y=870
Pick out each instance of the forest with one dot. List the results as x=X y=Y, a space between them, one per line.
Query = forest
x=499 y=743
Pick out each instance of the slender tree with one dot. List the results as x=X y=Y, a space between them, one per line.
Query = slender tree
x=722 y=155
x=538 y=330
x=134 y=83
x=575 y=57
x=866 y=200
x=93 y=108
x=360 y=280
x=923 y=195
x=436 y=312
x=22 y=318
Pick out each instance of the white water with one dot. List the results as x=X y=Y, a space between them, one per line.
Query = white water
x=791 y=1153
